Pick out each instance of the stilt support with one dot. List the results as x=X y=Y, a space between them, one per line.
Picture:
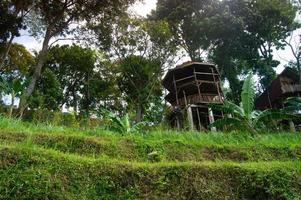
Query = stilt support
x=211 y=118
x=190 y=117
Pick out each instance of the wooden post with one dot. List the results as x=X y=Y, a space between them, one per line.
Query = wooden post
x=196 y=81
x=178 y=123
x=186 y=103
x=199 y=119
x=165 y=93
x=217 y=86
x=211 y=118
x=176 y=90
x=190 y=117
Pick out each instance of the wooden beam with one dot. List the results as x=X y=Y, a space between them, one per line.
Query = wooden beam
x=196 y=81
x=185 y=98
x=186 y=84
x=204 y=73
x=217 y=86
x=176 y=90
x=203 y=81
x=182 y=79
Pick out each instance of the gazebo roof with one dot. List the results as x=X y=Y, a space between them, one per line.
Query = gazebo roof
x=185 y=70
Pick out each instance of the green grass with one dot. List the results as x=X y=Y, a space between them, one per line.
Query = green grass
x=40 y=161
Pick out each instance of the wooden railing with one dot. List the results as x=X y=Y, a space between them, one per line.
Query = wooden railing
x=205 y=98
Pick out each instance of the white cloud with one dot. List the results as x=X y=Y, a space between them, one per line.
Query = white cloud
x=144 y=8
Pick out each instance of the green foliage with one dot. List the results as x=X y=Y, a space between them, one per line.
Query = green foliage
x=19 y=60
x=121 y=125
x=56 y=118
x=139 y=81
x=247 y=97
x=15 y=72
x=74 y=76
x=49 y=94
x=11 y=19
x=293 y=104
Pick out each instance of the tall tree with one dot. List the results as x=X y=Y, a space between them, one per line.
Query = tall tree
x=80 y=75
x=189 y=21
x=49 y=93
x=130 y=35
x=73 y=66
x=139 y=80
x=15 y=72
x=56 y=17
x=140 y=48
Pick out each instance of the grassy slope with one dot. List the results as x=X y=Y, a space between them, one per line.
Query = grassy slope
x=44 y=162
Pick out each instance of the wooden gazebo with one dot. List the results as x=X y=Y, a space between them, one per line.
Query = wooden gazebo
x=192 y=86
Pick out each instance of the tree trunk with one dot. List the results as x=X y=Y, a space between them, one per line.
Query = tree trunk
x=292 y=126
x=11 y=108
x=75 y=105
x=5 y=54
x=37 y=73
x=139 y=113
x=299 y=70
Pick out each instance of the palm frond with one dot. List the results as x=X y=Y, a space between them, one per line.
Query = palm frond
x=237 y=110
x=293 y=104
x=229 y=108
x=139 y=126
x=293 y=99
x=125 y=122
x=232 y=122
x=272 y=114
x=255 y=114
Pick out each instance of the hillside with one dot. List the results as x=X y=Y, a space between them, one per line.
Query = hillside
x=47 y=162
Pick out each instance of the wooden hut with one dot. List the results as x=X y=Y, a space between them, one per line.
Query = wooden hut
x=192 y=86
x=285 y=85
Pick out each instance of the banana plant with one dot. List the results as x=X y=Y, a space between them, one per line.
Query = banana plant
x=293 y=105
x=244 y=116
x=121 y=125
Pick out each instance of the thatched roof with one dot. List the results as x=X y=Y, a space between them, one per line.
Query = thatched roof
x=275 y=91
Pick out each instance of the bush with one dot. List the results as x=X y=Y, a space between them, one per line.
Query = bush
x=51 y=117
